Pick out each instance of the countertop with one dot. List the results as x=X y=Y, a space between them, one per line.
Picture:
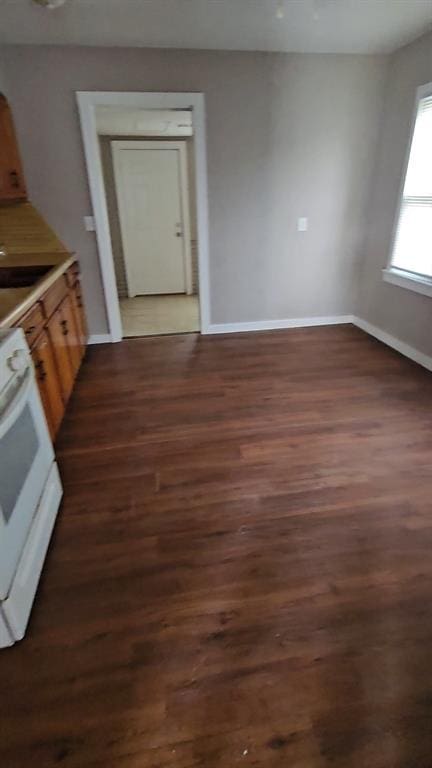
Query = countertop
x=24 y=231
x=14 y=302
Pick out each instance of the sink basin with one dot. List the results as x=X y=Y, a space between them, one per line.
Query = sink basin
x=22 y=277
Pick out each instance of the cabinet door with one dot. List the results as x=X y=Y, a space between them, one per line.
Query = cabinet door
x=58 y=332
x=80 y=318
x=71 y=333
x=12 y=185
x=48 y=381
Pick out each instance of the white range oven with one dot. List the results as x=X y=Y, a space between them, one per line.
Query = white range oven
x=30 y=487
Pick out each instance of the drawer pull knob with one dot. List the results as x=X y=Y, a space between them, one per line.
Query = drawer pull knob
x=14 y=178
x=40 y=368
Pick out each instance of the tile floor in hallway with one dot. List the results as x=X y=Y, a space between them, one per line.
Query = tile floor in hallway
x=157 y=315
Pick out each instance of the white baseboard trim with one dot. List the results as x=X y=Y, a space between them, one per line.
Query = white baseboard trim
x=99 y=338
x=272 y=325
x=394 y=343
x=306 y=322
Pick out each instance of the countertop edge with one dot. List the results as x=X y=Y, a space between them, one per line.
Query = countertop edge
x=37 y=291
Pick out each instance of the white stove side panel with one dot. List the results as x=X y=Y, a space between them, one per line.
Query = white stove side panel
x=6 y=638
x=17 y=606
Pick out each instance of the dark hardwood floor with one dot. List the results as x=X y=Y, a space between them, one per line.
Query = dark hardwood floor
x=241 y=573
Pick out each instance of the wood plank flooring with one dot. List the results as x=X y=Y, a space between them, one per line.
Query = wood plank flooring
x=241 y=573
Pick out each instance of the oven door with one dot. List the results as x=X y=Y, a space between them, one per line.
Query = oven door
x=26 y=456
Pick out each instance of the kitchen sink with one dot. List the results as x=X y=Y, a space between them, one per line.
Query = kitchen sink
x=22 y=277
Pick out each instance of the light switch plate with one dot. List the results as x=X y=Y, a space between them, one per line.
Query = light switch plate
x=302 y=224
x=89 y=223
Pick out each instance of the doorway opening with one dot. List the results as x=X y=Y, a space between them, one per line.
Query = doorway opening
x=149 y=177
x=150 y=122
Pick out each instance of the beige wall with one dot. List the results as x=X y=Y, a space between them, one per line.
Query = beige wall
x=3 y=84
x=288 y=136
x=397 y=311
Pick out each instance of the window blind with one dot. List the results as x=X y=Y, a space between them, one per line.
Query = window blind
x=412 y=249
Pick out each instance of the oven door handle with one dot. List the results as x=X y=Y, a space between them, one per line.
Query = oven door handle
x=13 y=410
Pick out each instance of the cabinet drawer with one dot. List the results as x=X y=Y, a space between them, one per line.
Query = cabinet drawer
x=72 y=275
x=54 y=296
x=32 y=323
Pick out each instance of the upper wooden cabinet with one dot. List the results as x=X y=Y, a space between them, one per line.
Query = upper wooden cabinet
x=12 y=184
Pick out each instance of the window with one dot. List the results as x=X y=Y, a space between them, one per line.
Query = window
x=411 y=258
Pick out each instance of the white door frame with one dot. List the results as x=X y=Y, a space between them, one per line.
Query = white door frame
x=87 y=103
x=180 y=146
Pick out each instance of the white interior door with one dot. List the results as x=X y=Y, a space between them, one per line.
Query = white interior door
x=151 y=190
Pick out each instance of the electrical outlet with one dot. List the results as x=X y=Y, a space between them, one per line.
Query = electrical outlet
x=89 y=224
x=302 y=224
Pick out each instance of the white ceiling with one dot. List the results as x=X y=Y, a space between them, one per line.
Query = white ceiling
x=325 y=26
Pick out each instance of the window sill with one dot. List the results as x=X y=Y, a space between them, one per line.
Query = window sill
x=408 y=280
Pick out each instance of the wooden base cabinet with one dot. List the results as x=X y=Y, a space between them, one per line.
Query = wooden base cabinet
x=71 y=332
x=80 y=318
x=56 y=331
